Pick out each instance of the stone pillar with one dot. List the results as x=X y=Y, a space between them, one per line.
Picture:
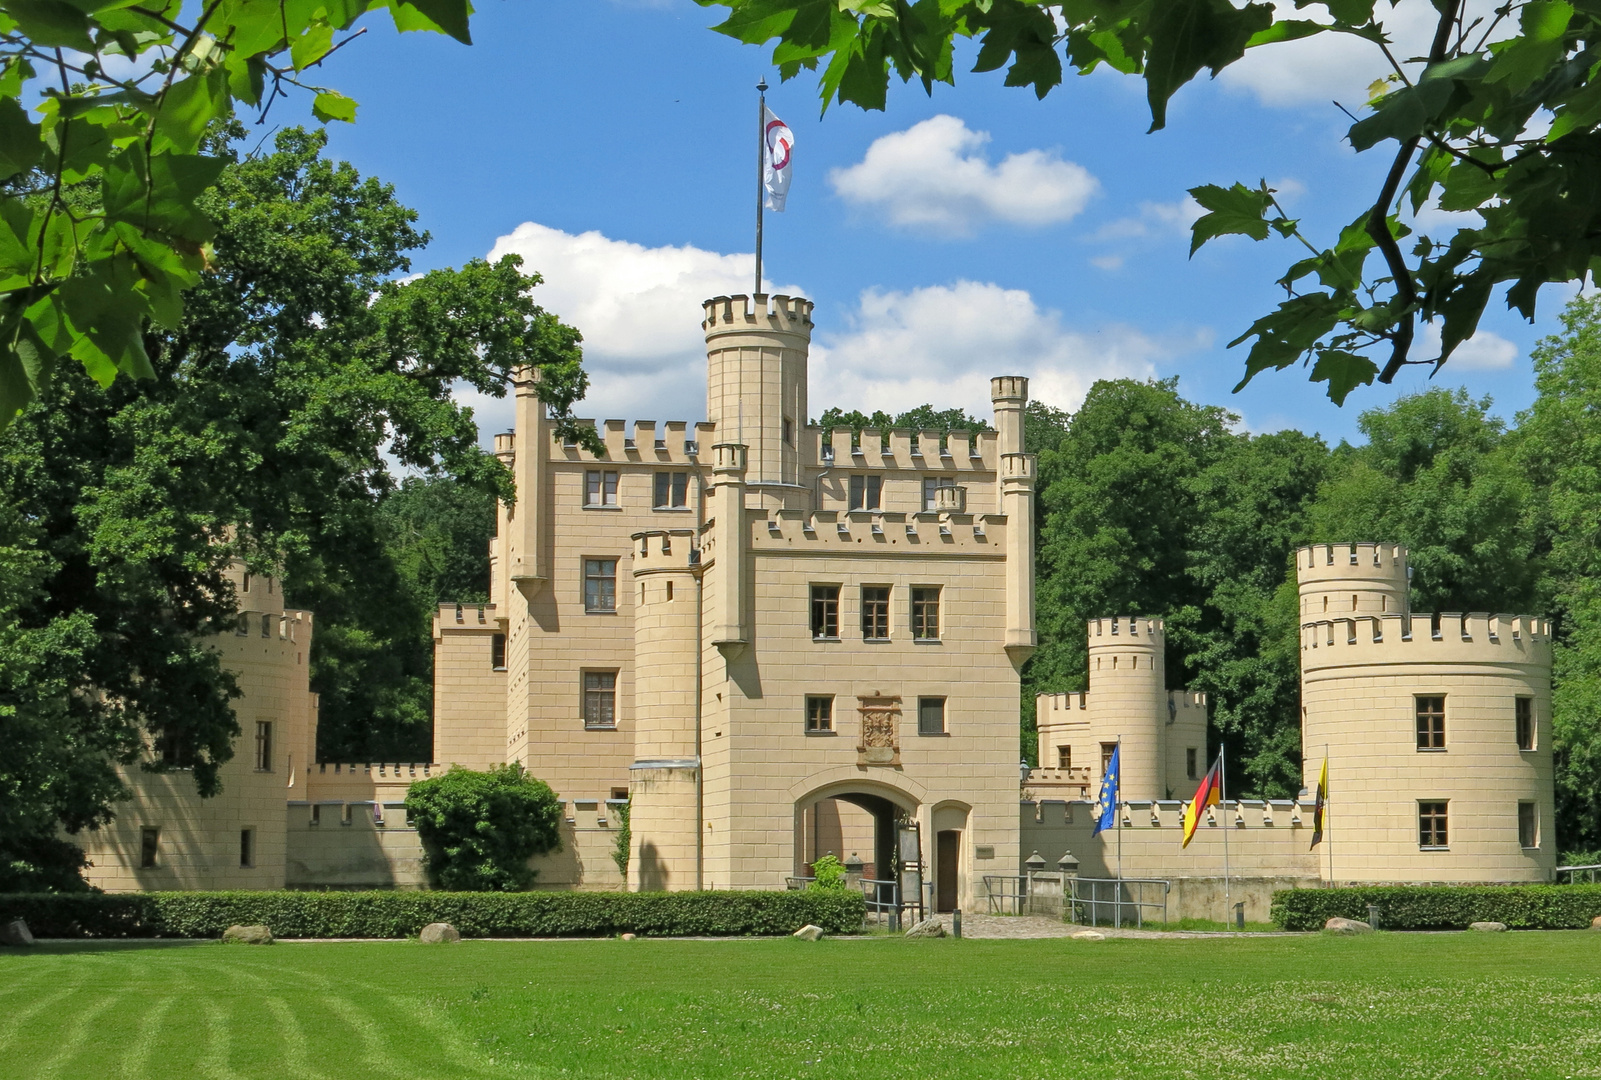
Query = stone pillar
x=526 y=568
x=1009 y=394
x=729 y=628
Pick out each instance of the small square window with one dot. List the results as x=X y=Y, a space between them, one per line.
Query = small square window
x=264 y=746
x=1107 y=750
x=789 y=432
x=1528 y=825
x=671 y=491
x=819 y=714
x=931 y=486
x=149 y=846
x=865 y=491
x=1432 y=831
x=925 y=613
x=1431 y=723
x=1524 y=711
x=600 y=700
x=1064 y=757
x=931 y=716
x=875 y=612
x=243 y=626
x=600 y=487
x=247 y=848
x=497 y=652
x=266 y=626
x=600 y=585
x=825 y=612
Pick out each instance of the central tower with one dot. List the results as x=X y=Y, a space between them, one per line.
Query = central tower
x=756 y=388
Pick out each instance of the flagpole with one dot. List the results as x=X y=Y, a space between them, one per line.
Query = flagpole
x=761 y=148
x=1223 y=782
x=1327 y=845
x=1117 y=814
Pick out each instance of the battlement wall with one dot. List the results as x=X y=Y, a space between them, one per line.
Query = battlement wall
x=905 y=448
x=1128 y=630
x=1352 y=579
x=827 y=531
x=1447 y=638
x=777 y=313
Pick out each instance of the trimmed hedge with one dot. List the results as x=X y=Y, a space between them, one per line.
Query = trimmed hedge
x=398 y=914
x=1443 y=907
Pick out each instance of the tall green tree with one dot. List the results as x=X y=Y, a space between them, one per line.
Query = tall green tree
x=299 y=364
x=1501 y=115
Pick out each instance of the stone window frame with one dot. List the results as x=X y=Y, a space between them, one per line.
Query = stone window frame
x=1430 y=724
x=820 y=714
x=1525 y=728
x=813 y=610
x=932 y=705
x=919 y=619
x=865 y=492
x=601 y=485
x=670 y=490
x=1064 y=757
x=605 y=697
x=264 y=746
x=497 y=652
x=1528 y=825
x=599 y=607
x=1434 y=819
x=149 y=846
x=1192 y=763
x=247 y=849
x=878 y=612
x=931 y=486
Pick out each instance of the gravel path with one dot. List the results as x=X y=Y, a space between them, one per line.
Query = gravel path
x=1031 y=927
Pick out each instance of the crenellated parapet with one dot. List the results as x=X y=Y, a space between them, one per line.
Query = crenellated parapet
x=1352 y=579
x=1425 y=638
x=777 y=313
x=646 y=442
x=904 y=448
x=941 y=533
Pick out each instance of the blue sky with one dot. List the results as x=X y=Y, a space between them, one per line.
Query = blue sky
x=947 y=239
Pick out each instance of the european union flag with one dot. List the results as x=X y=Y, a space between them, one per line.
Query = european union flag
x=1106 y=804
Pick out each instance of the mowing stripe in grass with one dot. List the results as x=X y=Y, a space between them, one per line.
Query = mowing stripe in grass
x=296 y=1061
x=77 y=1033
x=456 y=1049
x=150 y=1023
x=374 y=1044
x=214 y=1060
x=15 y=1022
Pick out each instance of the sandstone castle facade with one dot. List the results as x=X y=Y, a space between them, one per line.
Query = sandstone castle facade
x=772 y=642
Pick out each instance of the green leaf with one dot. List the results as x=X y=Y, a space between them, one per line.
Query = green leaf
x=311 y=46
x=1521 y=61
x=1282 y=336
x=330 y=105
x=188 y=106
x=1579 y=112
x=159 y=194
x=445 y=16
x=1343 y=371
x=1233 y=210
x=17 y=256
x=20 y=148
x=52 y=24
x=1285 y=30
x=1187 y=35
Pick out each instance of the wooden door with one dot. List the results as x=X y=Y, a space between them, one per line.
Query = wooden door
x=948 y=861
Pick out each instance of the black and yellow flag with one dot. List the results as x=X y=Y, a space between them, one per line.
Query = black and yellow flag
x=1320 y=807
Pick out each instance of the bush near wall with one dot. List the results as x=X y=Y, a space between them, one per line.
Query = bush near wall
x=1443 y=907
x=398 y=914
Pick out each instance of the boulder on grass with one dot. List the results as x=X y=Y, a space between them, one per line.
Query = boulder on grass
x=1488 y=927
x=1089 y=935
x=1595 y=923
x=628 y=937
x=809 y=932
x=439 y=933
x=15 y=933
x=1347 y=927
x=247 y=935
x=927 y=928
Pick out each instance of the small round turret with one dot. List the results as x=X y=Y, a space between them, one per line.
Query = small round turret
x=1351 y=579
x=756 y=350
x=1128 y=697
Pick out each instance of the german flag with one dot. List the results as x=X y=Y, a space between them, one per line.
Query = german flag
x=1210 y=793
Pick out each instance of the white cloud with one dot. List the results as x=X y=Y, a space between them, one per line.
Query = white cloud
x=1484 y=351
x=935 y=175
x=941 y=344
x=1153 y=219
x=639 y=311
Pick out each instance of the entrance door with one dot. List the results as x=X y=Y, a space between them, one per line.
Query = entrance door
x=948 y=854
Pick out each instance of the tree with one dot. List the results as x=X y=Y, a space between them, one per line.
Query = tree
x=1500 y=117
x=299 y=364
x=479 y=829
x=101 y=227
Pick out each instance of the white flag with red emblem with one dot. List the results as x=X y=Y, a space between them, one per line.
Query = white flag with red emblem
x=779 y=144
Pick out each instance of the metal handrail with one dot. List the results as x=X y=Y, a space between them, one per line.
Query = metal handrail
x=1590 y=869
x=883 y=899
x=1087 y=892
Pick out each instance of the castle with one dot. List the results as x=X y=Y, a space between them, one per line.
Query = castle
x=773 y=642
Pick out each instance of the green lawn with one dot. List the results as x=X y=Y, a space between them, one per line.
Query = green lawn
x=1385 y=1005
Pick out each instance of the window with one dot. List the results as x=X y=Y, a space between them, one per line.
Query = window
x=174 y=753
x=600 y=700
x=819 y=714
x=497 y=652
x=247 y=582
x=1189 y=762
x=619 y=794
x=672 y=491
x=925 y=613
x=931 y=716
x=875 y=612
x=1107 y=750
x=247 y=848
x=789 y=432
x=600 y=487
x=1431 y=825
x=149 y=845
x=600 y=584
x=243 y=628
x=1524 y=709
x=1528 y=825
x=931 y=486
x=825 y=612
x=865 y=492
x=1431 y=723
x=266 y=626
x=1064 y=757
x=264 y=746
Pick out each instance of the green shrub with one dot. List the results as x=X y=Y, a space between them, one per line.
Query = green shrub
x=622 y=847
x=397 y=914
x=1443 y=907
x=828 y=874
x=479 y=829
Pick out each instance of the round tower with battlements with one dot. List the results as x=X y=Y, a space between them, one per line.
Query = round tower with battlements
x=1339 y=580
x=756 y=349
x=1128 y=699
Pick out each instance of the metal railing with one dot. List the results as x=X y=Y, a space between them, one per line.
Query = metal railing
x=1007 y=893
x=883 y=900
x=1590 y=871
x=1113 y=900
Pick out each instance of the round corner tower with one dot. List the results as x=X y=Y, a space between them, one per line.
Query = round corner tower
x=1436 y=727
x=1128 y=698
x=756 y=354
